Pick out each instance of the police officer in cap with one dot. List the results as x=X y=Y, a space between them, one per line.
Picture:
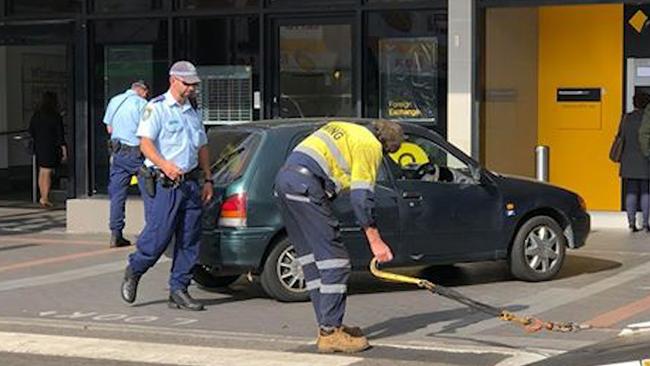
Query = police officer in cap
x=339 y=156
x=174 y=144
x=121 y=119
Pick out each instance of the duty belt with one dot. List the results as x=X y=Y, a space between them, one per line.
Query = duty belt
x=195 y=174
x=117 y=146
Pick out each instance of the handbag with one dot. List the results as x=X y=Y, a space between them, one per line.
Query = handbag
x=616 y=151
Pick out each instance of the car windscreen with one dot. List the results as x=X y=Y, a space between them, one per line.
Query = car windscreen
x=230 y=153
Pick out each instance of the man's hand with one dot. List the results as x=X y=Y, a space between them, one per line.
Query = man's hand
x=207 y=193
x=171 y=170
x=379 y=248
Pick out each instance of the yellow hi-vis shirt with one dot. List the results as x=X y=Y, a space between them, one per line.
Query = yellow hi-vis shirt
x=350 y=155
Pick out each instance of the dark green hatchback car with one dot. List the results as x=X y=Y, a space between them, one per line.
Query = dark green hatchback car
x=439 y=208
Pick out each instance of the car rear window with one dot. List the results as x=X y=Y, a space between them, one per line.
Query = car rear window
x=230 y=153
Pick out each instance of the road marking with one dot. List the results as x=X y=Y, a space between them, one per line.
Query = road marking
x=63 y=258
x=40 y=240
x=71 y=275
x=553 y=298
x=612 y=317
x=166 y=354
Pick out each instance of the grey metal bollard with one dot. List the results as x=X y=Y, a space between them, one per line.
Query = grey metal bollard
x=541 y=163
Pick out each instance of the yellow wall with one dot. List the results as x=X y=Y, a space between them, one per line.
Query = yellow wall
x=511 y=82
x=582 y=46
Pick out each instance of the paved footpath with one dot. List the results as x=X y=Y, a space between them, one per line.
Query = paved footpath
x=60 y=305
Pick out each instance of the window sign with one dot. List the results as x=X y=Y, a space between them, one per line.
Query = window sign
x=408 y=79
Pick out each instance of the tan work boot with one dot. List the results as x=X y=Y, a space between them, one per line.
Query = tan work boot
x=340 y=341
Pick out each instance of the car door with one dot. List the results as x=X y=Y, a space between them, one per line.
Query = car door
x=446 y=214
x=387 y=216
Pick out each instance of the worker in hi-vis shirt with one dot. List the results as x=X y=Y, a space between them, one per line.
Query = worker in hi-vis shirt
x=338 y=156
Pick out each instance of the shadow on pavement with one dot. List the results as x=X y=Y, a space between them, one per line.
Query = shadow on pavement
x=461 y=317
x=32 y=222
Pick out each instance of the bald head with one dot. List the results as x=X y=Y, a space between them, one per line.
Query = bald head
x=389 y=133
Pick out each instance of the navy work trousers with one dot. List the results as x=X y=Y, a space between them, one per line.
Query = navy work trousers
x=314 y=232
x=171 y=212
x=124 y=165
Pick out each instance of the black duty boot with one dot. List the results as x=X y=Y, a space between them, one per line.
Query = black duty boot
x=129 y=285
x=633 y=228
x=180 y=299
x=117 y=240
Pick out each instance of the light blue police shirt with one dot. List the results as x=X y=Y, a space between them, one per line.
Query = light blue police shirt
x=176 y=131
x=123 y=115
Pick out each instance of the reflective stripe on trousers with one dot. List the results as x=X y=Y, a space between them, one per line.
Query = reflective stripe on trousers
x=314 y=232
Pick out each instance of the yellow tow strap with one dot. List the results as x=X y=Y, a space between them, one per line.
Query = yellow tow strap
x=531 y=324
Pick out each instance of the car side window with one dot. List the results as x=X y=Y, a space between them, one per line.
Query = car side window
x=422 y=159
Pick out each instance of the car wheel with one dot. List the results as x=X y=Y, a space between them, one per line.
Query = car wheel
x=205 y=278
x=282 y=276
x=538 y=250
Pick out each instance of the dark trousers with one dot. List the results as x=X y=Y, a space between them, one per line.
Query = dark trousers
x=314 y=232
x=171 y=212
x=124 y=165
x=637 y=190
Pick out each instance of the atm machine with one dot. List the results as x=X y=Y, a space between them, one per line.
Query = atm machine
x=638 y=79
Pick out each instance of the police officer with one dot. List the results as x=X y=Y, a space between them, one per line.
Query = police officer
x=121 y=118
x=338 y=156
x=174 y=143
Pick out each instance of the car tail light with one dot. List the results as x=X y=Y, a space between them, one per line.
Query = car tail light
x=233 y=211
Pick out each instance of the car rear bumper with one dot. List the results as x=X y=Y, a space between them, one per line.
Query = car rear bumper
x=234 y=251
x=580 y=226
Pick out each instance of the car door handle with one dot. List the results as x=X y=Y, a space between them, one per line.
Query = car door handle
x=412 y=196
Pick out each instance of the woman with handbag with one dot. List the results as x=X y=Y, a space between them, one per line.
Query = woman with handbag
x=634 y=168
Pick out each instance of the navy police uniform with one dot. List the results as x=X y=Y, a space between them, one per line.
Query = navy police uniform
x=338 y=156
x=123 y=115
x=175 y=210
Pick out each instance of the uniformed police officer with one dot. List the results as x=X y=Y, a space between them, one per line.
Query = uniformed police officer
x=121 y=118
x=338 y=156
x=174 y=143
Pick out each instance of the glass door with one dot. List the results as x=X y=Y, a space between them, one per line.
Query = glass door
x=36 y=67
x=314 y=72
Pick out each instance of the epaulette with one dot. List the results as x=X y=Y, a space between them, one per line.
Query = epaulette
x=157 y=99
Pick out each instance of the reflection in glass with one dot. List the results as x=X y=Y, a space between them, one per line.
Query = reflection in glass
x=217 y=4
x=124 y=6
x=42 y=7
x=123 y=51
x=316 y=71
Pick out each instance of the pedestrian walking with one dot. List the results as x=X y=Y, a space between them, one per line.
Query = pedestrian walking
x=174 y=144
x=122 y=118
x=46 y=129
x=338 y=156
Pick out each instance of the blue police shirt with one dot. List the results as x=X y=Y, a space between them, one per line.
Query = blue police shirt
x=176 y=131
x=123 y=115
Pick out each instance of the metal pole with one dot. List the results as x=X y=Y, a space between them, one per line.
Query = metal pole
x=34 y=179
x=541 y=163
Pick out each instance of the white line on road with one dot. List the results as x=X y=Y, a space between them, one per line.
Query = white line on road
x=65 y=276
x=165 y=354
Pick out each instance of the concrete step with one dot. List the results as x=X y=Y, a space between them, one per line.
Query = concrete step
x=91 y=215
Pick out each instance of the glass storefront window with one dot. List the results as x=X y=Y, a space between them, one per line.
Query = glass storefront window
x=24 y=7
x=406 y=67
x=218 y=4
x=226 y=53
x=123 y=51
x=125 y=6
x=316 y=70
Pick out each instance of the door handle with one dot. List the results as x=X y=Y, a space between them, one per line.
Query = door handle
x=412 y=196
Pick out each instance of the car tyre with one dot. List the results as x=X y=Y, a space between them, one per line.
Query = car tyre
x=282 y=276
x=209 y=280
x=538 y=250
